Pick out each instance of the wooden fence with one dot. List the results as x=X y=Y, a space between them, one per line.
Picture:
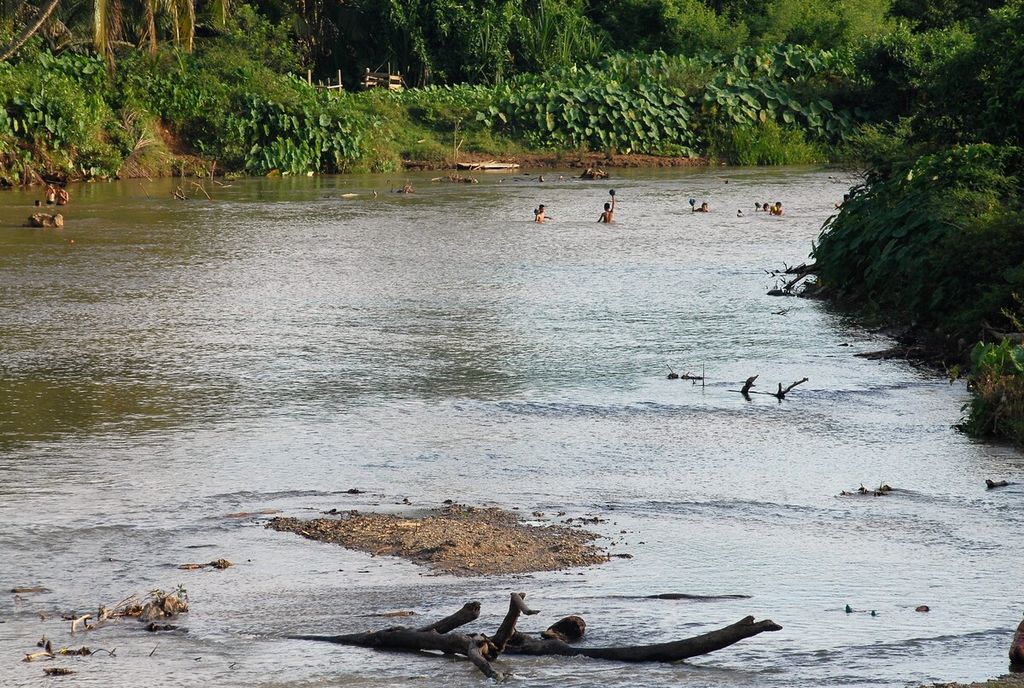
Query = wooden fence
x=392 y=82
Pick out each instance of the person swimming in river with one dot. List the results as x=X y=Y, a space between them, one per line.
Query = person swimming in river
x=539 y=215
x=704 y=208
x=608 y=216
x=776 y=209
x=62 y=196
x=51 y=194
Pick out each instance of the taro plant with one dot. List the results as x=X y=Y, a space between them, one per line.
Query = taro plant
x=308 y=132
x=623 y=104
x=655 y=103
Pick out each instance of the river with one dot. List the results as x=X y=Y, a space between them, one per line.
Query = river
x=168 y=363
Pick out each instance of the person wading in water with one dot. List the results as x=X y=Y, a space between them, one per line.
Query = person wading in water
x=608 y=216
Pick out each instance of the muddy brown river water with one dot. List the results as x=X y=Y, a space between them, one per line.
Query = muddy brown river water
x=167 y=363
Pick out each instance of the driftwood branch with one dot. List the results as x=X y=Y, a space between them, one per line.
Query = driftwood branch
x=660 y=652
x=745 y=390
x=802 y=269
x=469 y=613
x=748 y=384
x=516 y=606
x=80 y=620
x=482 y=650
x=417 y=641
x=1012 y=337
x=203 y=189
x=781 y=394
x=476 y=656
x=785 y=287
x=673 y=375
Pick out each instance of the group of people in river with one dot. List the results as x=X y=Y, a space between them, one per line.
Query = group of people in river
x=607 y=216
x=55 y=195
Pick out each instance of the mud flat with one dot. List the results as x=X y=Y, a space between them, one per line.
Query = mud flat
x=457 y=539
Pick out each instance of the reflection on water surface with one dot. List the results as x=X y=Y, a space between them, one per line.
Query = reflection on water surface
x=269 y=350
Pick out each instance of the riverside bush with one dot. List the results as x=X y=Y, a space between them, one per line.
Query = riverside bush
x=997 y=381
x=245 y=115
x=55 y=107
x=765 y=143
x=938 y=242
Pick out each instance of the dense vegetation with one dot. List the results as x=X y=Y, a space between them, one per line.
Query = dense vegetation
x=114 y=87
x=935 y=237
x=925 y=93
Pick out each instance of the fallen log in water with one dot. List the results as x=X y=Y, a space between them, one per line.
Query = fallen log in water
x=746 y=389
x=787 y=287
x=481 y=650
x=781 y=394
x=660 y=652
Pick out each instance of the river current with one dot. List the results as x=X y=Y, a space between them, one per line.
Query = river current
x=167 y=363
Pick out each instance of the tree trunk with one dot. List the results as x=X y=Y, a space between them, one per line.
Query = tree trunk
x=29 y=31
x=661 y=652
x=482 y=650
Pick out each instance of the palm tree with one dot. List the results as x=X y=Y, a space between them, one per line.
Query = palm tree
x=41 y=16
x=110 y=20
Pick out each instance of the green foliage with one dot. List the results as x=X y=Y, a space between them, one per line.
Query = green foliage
x=649 y=104
x=303 y=132
x=996 y=409
x=426 y=124
x=444 y=106
x=690 y=27
x=911 y=244
x=252 y=35
x=244 y=114
x=54 y=105
x=556 y=35
x=882 y=149
x=787 y=85
x=623 y=104
x=765 y=143
x=445 y=41
x=630 y=25
x=722 y=85
x=820 y=23
x=933 y=14
x=975 y=94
